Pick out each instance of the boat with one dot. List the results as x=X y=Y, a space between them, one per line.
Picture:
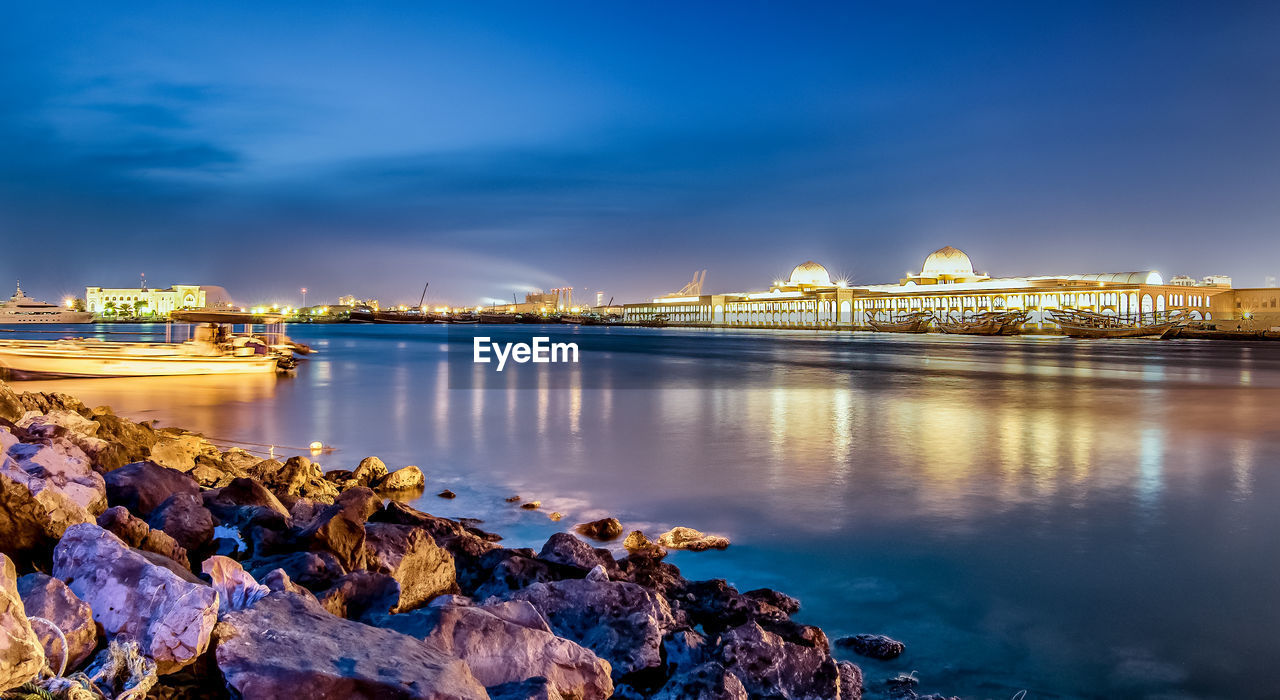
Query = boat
x=458 y=318
x=916 y=322
x=582 y=320
x=986 y=323
x=1200 y=330
x=206 y=353
x=1086 y=324
x=23 y=309
x=497 y=318
x=655 y=321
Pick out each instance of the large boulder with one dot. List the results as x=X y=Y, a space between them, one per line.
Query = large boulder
x=143 y=486
x=796 y=667
x=621 y=622
x=507 y=643
x=76 y=429
x=21 y=654
x=691 y=539
x=246 y=501
x=339 y=528
x=288 y=646
x=135 y=532
x=874 y=646
x=409 y=555
x=316 y=571
x=564 y=548
x=180 y=451
x=369 y=472
x=44 y=489
x=51 y=599
x=184 y=518
x=170 y=617
x=298 y=477
x=361 y=595
x=709 y=681
x=403 y=479
x=133 y=440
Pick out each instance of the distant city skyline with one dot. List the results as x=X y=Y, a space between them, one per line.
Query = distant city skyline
x=498 y=148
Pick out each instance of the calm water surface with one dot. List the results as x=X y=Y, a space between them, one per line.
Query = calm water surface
x=1081 y=519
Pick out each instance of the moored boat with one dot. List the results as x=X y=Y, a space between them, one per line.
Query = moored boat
x=1086 y=324
x=24 y=310
x=917 y=322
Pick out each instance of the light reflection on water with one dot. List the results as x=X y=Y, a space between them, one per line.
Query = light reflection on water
x=1088 y=519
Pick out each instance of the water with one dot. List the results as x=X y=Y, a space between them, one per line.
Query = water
x=1081 y=519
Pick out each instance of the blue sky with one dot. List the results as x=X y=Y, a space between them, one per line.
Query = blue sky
x=494 y=147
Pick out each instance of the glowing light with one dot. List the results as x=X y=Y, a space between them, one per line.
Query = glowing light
x=673 y=300
x=68 y=302
x=317 y=446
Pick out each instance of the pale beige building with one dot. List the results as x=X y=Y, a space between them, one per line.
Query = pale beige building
x=946 y=286
x=142 y=300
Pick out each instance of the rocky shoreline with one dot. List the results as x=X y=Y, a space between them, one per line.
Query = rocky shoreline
x=143 y=562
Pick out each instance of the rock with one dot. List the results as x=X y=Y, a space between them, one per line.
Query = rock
x=508 y=643
x=403 y=479
x=43 y=491
x=339 y=528
x=143 y=486
x=298 y=477
x=136 y=533
x=684 y=650
x=304 y=511
x=599 y=573
x=603 y=530
x=314 y=570
x=799 y=666
x=180 y=451
x=875 y=646
x=49 y=598
x=532 y=689
x=716 y=605
x=21 y=653
x=467 y=544
x=132 y=440
x=361 y=595
x=369 y=472
x=563 y=548
x=246 y=501
x=531 y=505
x=170 y=618
x=710 y=681
x=408 y=554
x=851 y=681
x=767 y=597
x=691 y=539
x=447 y=494
x=184 y=518
x=637 y=543
x=76 y=429
x=621 y=622
x=342 y=478
x=512 y=499
x=288 y=646
x=513 y=569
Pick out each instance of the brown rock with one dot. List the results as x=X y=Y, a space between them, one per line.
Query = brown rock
x=637 y=543
x=509 y=643
x=369 y=472
x=136 y=533
x=691 y=539
x=49 y=598
x=184 y=518
x=287 y=646
x=408 y=478
x=797 y=666
x=143 y=486
x=43 y=491
x=21 y=653
x=604 y=530
x=410 y=555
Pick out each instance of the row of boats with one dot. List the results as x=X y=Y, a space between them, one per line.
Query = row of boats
x=1072 y=323
x=367 y=315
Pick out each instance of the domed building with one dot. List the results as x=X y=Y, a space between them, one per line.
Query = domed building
x=946 y=265
x=809 y=274
x=946 y=288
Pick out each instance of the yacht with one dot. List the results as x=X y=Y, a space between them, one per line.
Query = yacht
x=23 y=309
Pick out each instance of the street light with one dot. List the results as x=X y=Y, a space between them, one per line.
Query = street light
x=304 y=297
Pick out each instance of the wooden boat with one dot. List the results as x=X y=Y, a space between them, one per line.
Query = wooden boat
x=981 y=324
x=1199 y=330
x=497 y=318
x=361 y=314
x=917 y=322
x=1011 y=322
x=582 y=320
x=1086 y=324
x=458 y=318
x=655 y=321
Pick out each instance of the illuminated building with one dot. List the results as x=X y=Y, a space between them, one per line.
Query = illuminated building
x=946 y=286
x=143 y=301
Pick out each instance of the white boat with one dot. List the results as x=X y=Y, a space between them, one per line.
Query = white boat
x=210 y=351
x=23 y=309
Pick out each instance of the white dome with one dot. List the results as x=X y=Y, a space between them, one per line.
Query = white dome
x=809 y=273
x=947 y=262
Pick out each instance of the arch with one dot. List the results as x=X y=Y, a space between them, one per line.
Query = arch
x=1147 y=305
